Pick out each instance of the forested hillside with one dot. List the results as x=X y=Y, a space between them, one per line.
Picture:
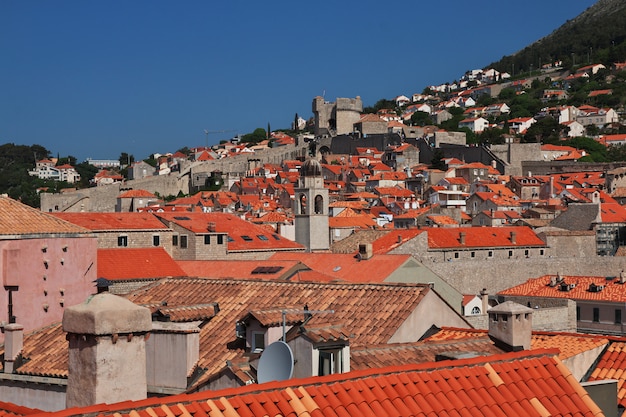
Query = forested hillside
x=598 y=35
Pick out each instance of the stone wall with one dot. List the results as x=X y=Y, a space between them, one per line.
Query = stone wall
x=555 y=167
x=515 y=154
x=558 y=318
x=469 y=277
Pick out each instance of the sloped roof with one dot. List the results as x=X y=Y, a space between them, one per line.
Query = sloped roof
x=569 y=344
x=245 y=236
x=612 y=290
x=98 y=222
x=481 y=237
x=612 y=365
x=347 y=266
x=499 y=385
x=136 y=194
x=578 y=217
x=19 y=219
x=260 y=269
x=136 y=263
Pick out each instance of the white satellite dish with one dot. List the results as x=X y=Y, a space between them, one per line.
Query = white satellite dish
x=276 y=363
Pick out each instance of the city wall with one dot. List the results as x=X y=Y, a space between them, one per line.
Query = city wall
x=104 y=198
x=470 y=277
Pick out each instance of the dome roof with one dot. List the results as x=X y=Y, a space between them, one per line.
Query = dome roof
x=311 y=168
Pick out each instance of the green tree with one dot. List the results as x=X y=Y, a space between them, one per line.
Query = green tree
x=420 y=118
x=546 y=130
x=126 y=159
x=259 y=135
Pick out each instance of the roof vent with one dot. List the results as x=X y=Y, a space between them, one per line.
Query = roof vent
x=564 y=287
x=595 y=288
x=365 y=251
x=552 y=282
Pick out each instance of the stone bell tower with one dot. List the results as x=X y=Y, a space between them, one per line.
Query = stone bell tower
x=311 y=208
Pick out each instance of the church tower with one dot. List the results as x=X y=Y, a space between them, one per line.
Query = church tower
x=311 y=208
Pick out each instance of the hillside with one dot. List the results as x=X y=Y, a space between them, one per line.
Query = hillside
x=597 y=35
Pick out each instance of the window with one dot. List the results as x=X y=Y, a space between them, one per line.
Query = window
x=526 y=253
x=258 y=341
x=262 y=237
x=596 y=314
x=220 y=239
x=490 y=254
x=577 y=313
x=456 y=255
x=122 y=241
x=156 y=240
x=473 y=254
x=246 y=238
x=330 y=362
x=207 y=239
x=183 y=241
x=541 y=252
x=476 y=310
x=618 y=316
x=510 y=254
x=174 y=240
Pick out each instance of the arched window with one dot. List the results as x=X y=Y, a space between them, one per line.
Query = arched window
x=319 y=204
x=476 y=310
x=302 y=203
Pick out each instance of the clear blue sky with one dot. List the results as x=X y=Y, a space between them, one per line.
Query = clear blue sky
x=97 y=78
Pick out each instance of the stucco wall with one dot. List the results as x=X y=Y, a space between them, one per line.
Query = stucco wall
x=50 y=274
x=48 y=396
x=430 y=310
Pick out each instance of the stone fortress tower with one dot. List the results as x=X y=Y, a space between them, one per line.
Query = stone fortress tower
x=311 y=208
x=336 y=118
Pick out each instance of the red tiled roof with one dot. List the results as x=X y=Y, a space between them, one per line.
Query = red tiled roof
x=113 y=221
x=611 y=291
x=499 y=385
x=260 y=269
x=393 y=239
x=245 y=236
x=137 y=194
x=612 y=365
x=20 y=219
x=347 y=266
x=136 y=263
x=480 y=237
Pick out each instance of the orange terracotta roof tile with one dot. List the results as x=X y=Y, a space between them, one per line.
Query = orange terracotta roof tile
x=499 y=385
x=475 y=237
x=113 y=221
x=20 y=219
x=259 y=269
x=136 y=263
x=347 y=266
x=393 y=239
x=243 y=235
x=612 y=365
x=572 y=287
x=137 y=194
x=12 y=410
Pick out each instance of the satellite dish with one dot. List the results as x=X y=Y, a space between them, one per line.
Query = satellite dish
x=276 y=363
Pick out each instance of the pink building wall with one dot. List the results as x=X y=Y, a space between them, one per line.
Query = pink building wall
x=50 y=273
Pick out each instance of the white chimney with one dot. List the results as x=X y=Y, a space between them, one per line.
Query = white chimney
x=510 y=326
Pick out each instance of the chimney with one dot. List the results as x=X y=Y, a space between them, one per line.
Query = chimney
x=365 y=251
x=13 y=342
x=462 y=238
x=484 y=297
x=400 y=240
x=510 y=326
x=514 y=238
x=107 y=355
x=622 y=277
x=172 y=351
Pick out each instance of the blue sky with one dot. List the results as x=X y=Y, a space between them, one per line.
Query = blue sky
x=97 y=78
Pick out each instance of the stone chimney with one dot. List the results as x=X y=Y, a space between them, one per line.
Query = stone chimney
x=107 y=355
x=514 y=238
x=484 y=297
x=13 y=342
x=510 y=326
x=462 y=238
x=172 y=351
x=365 y=251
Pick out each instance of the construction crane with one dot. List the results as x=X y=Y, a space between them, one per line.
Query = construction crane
x=211 y=132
